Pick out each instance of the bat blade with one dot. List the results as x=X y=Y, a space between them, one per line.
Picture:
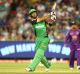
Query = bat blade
x=54 y=6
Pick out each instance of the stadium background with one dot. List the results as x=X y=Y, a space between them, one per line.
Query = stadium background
x=17 y=37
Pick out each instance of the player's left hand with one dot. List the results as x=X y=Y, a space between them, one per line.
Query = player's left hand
x=53 y=15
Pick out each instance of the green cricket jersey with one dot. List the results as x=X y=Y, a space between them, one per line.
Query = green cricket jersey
x=40 y=29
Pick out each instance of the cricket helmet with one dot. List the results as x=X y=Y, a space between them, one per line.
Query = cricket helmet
x=31 y=11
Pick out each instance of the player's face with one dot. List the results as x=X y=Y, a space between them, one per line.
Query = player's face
x=34 y=15
x=74 y=27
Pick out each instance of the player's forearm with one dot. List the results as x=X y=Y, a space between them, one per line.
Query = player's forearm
x=43 y=18
x=51 y=15
x=67 y=38
x=65 y=41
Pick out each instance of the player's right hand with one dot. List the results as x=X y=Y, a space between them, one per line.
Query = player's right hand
x=65 y=45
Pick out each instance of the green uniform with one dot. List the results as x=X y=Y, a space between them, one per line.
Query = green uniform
x=42 y=41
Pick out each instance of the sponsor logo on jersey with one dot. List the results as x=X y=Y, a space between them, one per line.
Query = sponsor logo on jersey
x=40 y=26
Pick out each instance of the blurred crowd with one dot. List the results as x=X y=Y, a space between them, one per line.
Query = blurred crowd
x=15 y=26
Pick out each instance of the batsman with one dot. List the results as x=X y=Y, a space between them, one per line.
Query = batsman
x=42 y=39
